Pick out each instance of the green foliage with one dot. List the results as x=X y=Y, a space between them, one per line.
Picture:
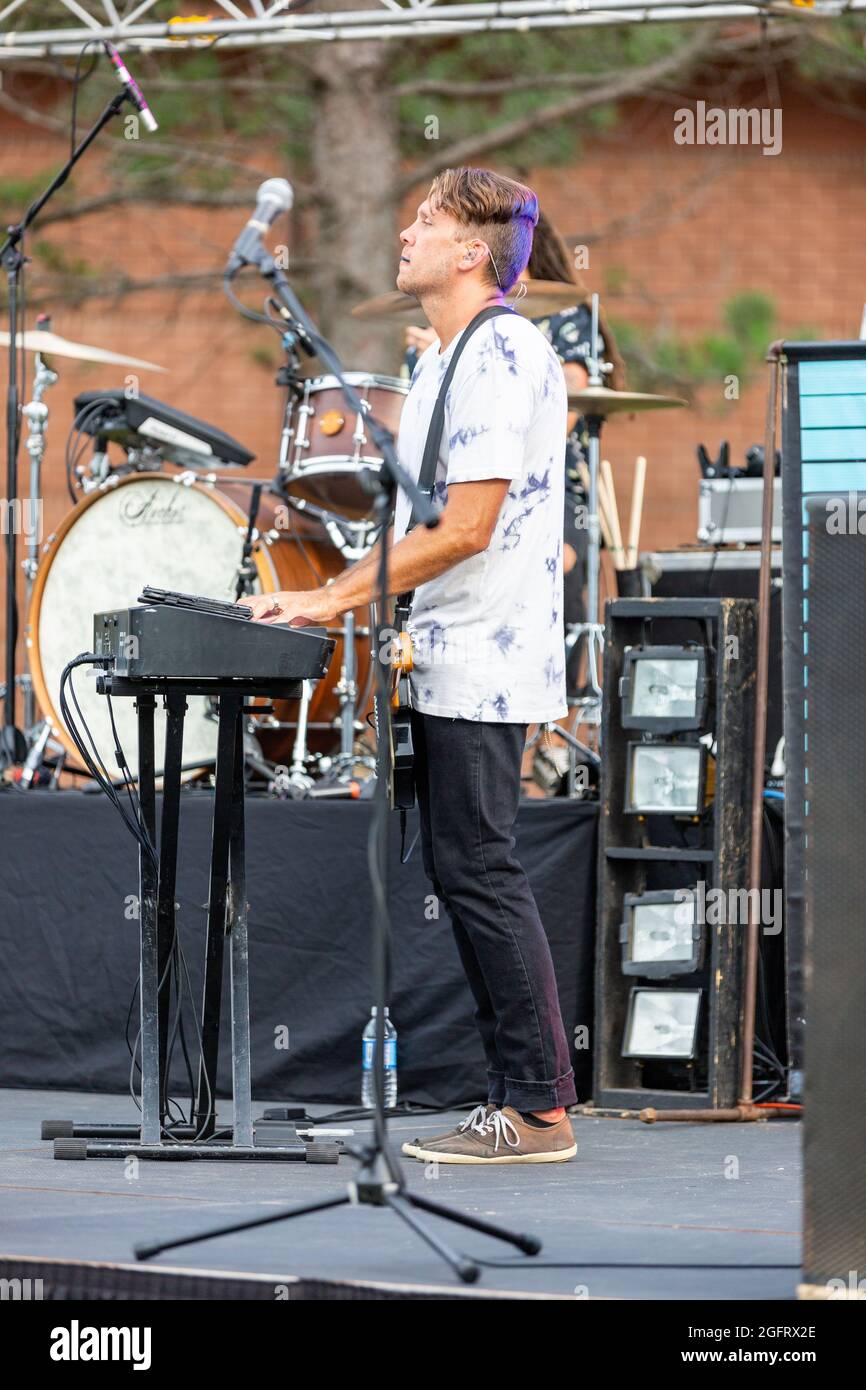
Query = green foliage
x=656 y=360
x=479 y=58
x=837 y=50
x=52 y=255
x=263 y=357
x=16 y=195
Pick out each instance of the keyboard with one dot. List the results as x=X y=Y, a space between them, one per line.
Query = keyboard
x=207 y=641
x=150 y=594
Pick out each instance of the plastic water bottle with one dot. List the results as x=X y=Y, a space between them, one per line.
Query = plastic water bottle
x=368 y=1058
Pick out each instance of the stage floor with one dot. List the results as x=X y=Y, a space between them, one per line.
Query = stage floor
x=642 y=1212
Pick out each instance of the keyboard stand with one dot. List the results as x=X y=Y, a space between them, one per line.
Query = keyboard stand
x=226 y=922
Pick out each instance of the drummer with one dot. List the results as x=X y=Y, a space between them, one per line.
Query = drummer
x=570 y=334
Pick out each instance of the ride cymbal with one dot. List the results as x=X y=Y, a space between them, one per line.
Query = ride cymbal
x=52 y=345
x=601 y=400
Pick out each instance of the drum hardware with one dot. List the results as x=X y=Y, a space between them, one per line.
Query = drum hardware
x=353 y=539
x=596 y=402
x=32 y=772
x=13 y=260
x=36 y=415
x=151 y=434
x=247 y=570
x=298 y=778
x=327 y=453
x=147 y=528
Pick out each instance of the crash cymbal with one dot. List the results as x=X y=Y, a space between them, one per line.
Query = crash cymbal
x=600 y=400
x=542 y=297
x=52 y=345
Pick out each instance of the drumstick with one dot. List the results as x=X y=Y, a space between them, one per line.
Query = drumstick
x=636 y=512
x=607 y=473
x=583 y=472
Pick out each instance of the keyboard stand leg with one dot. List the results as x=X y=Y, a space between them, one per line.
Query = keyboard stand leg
x=239 y=953
x=151 y=1099
x=168 y=836
x=229 y=713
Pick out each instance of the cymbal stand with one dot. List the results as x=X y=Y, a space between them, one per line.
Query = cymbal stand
x=36 y=415
x=353 y=539
x=588 y=707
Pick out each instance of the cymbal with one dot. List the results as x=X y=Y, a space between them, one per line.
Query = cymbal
x=52 y=345
x=541 y=297
x=600 y=400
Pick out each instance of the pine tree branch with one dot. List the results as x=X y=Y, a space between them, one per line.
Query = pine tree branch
x=700 y=49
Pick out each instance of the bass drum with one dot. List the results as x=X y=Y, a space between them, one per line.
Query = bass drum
x=183 y=533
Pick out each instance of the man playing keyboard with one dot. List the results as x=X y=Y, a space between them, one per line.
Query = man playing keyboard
x=486 y=625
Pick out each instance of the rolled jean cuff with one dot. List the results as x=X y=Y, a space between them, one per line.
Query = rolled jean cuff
x=540 y=1095
x=495 y=1087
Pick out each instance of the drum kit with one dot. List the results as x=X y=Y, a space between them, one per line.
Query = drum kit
x=163 y=499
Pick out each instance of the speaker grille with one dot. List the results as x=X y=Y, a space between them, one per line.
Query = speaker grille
x=835 y=1046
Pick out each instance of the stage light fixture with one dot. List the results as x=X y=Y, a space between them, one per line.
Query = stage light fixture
x=663 y=689
x=661 y=934
x=665 y=779
x=662 y=1023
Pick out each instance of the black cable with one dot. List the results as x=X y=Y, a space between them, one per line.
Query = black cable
x=93 y=764
x=79 y=81
x=78 y=427
x=176 y=973
x=716 y=548
x=134 y=821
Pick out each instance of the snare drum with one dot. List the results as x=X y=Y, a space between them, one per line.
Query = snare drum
x=326 y=445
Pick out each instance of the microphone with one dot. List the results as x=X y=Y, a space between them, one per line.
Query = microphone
x=274 y=196
x=125 y=78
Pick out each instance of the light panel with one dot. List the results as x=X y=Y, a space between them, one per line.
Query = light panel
x=665 y=778
x=662 y=1023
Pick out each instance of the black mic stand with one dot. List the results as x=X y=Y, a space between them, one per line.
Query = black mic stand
x=379 y=1181
x=13 y=747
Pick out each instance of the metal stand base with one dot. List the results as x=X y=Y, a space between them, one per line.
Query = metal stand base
x=155 y=1137
x=375 y=1186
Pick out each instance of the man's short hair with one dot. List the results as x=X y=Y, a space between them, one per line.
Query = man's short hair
x=495 y=209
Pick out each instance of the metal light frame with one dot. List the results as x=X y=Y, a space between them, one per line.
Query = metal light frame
x=257 y=23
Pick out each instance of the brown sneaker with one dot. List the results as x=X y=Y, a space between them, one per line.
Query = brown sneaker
x=474 y=1118
x=505 y=1137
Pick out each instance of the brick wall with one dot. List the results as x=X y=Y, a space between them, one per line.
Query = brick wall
x=681 y=229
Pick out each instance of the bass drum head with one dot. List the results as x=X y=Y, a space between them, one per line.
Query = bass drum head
x=146 y=529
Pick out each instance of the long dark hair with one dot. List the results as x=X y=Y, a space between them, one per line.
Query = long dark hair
x=550 y=260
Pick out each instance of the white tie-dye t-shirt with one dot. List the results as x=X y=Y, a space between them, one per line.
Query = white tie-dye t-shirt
x=488 y=633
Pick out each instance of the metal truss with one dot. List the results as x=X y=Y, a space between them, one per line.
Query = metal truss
x=131 y=26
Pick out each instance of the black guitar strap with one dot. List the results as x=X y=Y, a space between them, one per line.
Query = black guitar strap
x=427 y=475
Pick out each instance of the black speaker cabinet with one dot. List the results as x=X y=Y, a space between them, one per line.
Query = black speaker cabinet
x=823 y=455
x=834 y=1250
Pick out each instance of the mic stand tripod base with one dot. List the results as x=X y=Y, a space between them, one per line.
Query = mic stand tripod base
x=375 y=1185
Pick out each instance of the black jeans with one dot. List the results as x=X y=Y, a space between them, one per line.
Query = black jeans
x=467 y=776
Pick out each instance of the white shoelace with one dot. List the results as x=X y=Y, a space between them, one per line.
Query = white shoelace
x=499 y=1124
x=475 y=1119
